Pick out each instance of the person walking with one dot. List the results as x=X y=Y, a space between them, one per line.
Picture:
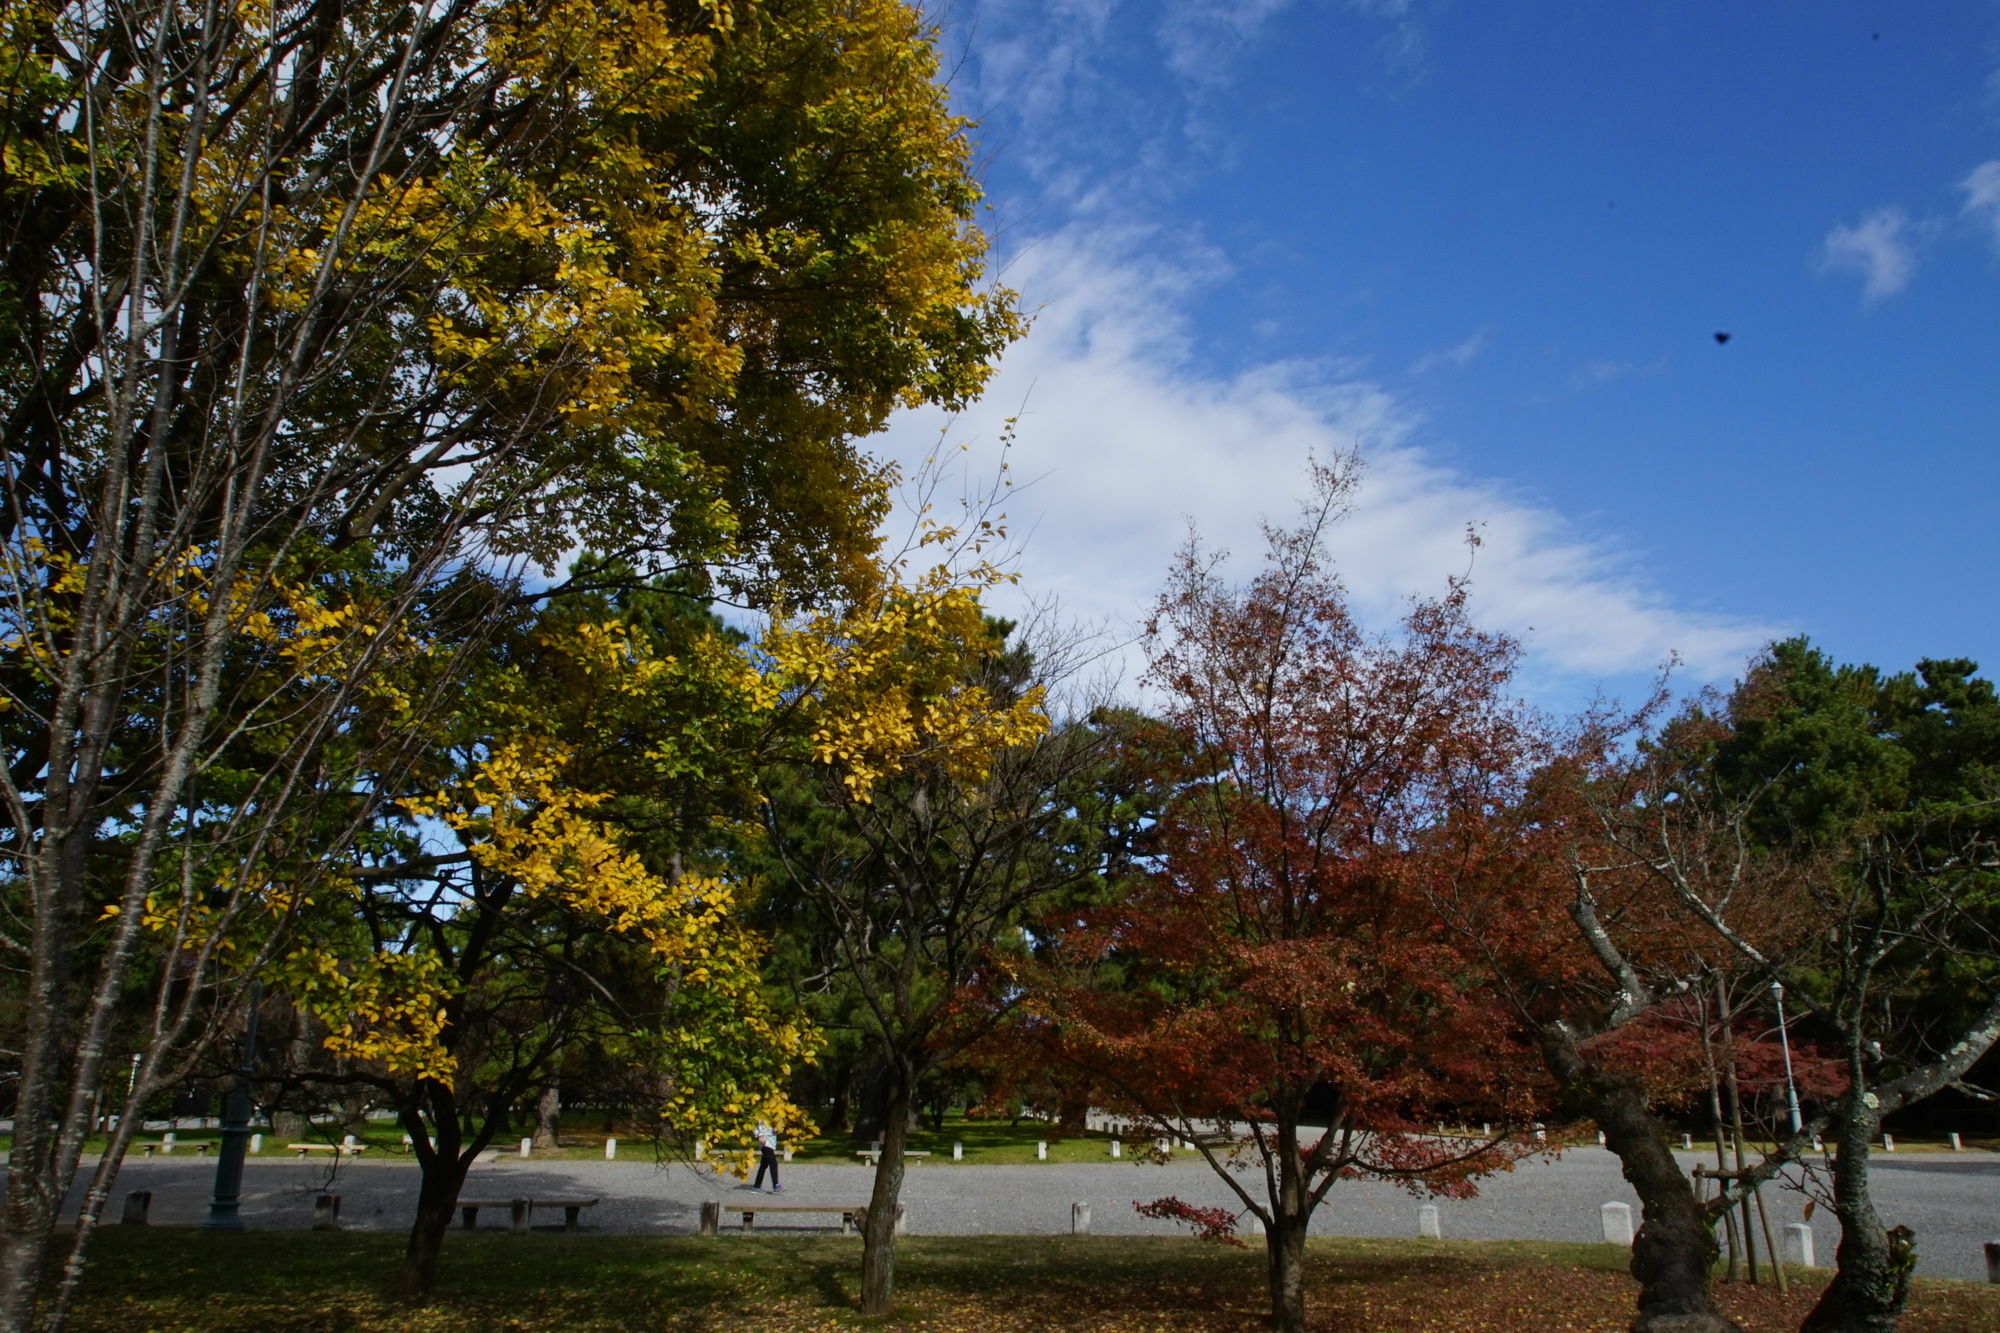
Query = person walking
x=767 y=1157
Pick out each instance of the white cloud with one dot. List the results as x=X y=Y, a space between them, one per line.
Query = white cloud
x=1982 y=196
x=1878 y=248
x=1125 y=438
x=1459 y=354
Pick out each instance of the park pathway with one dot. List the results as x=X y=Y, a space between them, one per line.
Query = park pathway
x=1951 y=1200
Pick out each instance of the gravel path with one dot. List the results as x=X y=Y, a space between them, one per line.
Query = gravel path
x=1951 y=1200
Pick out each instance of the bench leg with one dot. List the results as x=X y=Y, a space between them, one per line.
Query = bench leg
x=471 y=1216
x=749 y=1218
x=519 y=1208
x=711 y=1217
x=569 y=1218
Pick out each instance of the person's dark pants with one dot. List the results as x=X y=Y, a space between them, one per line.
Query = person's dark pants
x=767 y=1161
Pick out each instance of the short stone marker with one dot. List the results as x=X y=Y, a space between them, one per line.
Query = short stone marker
x=1799 y=1244
x=1041 y=1150
x=1818 y=1146
x=1600 y=1138
x=788 y=1154
x=139 y=1202
x=1955 y=1144
x=611 y=1150
x=1888 y=1143
x=1617 y=1221
x=711 y=1217
x=957 y=1151
x=1079 y=1219
x=527 y=1147
x=256 y=1143
x=326 y=1213
x=347 y=1141
x=1687 y=1143
x=1427 y=1222
x=1117 y=1148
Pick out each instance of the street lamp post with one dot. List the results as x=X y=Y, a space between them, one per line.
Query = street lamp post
x=224 y=1202
x=1785 y=1041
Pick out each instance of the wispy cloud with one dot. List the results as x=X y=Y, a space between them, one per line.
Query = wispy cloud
x=1458 y=354
x=1125 y=438
x=1982 y=197
x=1878 y=248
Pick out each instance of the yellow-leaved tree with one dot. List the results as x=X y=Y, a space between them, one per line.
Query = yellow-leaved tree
x=922 y=819
x=296 y=291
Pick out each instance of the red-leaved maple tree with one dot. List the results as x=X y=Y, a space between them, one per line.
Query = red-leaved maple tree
x=1278 y=990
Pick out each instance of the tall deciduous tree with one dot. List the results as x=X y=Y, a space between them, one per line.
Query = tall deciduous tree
x=1281 y=965
x=918 y=875
x=454 y=283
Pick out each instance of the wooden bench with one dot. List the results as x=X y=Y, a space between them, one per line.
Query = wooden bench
x=851 y=1214
x=872 y=1155
x=337 y=1149
x=519 y=1209
x=200 y=1146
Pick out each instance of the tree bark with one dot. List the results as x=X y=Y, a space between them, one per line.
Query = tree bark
x=548 y=1111
x=1285 y=1238
x=444 y=1164
x=1676 y=1240
x=1868 y=1293
x=878 y=1229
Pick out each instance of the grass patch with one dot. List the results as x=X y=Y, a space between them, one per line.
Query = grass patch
x=306 y=1282
x=987 y=1143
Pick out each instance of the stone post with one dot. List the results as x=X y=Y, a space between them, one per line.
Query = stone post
x=711 y=1217
x=1427 y=1222
x=1041 y=1150
x=1079 y=1219
x=527 y=1146
x=957 y=1151
x=1687 y=1143
x=1117 y=1148
x=166 y=1143
x=326 y=1213
x=1617 y=1220
x=347 y=1141
x=256 y=1144
x=1955 y=1145
x=1799 y=1244
x=611 y=1150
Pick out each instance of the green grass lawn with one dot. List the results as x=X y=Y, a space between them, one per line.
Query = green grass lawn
x=306 y=1282
x=987 y=1143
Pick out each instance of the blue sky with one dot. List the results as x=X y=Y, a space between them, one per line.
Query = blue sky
x=1490 y=245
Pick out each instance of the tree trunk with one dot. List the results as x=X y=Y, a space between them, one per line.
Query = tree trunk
x=1291 y=1211
x=1285 y=1254
x=1868 y=1293
x=548 y=1110
x=443 y=1164
x=1676 y=1241
x=878 y=1230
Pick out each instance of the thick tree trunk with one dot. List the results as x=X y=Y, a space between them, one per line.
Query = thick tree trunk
x=548 y=1111
x=1676 y=1240
x=444 y=1164
x=1868 y=1293
x=878 y=1230
x=1285 y=1255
